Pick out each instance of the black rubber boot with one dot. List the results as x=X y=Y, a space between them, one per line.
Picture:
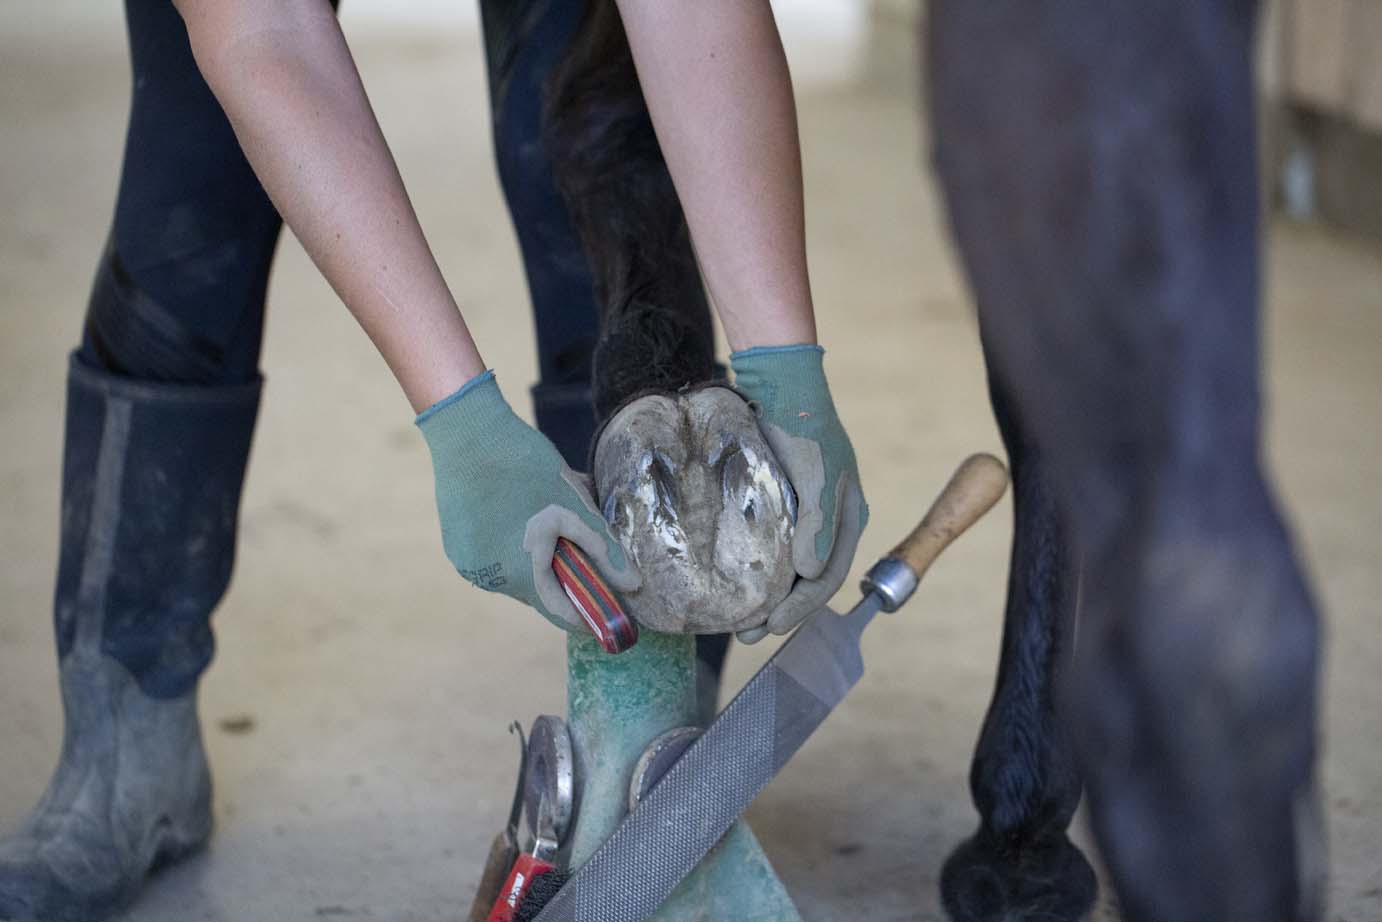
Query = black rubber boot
x=151 y=489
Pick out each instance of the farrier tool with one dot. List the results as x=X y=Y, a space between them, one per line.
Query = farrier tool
x=714 y=781
x=599 y=607
x=530 y=866
x=503 y=852
x=551 y=772
x=548 y=790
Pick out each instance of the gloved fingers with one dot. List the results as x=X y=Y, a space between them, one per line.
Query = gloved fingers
x=540 y=541
x=854 y=518
x=595 y=537
x=854 y=494
x=809 y=595
x=811 y=551
x=806 y=597
x=804 y=464
x=752 y=635
x=609 y=558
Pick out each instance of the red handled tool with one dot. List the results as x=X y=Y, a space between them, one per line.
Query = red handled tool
x=549 y=788
x=593 y=598
x=504 y=851
x=529 y=866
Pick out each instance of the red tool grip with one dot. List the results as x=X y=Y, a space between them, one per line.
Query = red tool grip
x=593 y=598
x=526 y=869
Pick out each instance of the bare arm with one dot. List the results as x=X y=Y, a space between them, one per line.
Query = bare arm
x=716 y=81
x=283 y=73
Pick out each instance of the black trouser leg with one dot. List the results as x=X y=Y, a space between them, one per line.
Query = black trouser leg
x=525 y=41
x=179 y=295
x=171 y=347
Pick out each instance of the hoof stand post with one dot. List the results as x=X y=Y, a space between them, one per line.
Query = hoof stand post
x=617 y=706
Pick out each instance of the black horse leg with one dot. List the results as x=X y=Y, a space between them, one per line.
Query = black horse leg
x=655 y=323
x=656 y=332
x=616 y=292
x=1098 y=160
x=1020 y=864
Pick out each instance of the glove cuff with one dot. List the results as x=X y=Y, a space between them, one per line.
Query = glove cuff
x=476 y=415
x=782 y=379
x=756 y=354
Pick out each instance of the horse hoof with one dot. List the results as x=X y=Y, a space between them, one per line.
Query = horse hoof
x=989 y=880
x=692 y=491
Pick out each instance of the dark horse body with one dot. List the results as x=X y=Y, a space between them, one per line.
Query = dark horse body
x=1098 y=163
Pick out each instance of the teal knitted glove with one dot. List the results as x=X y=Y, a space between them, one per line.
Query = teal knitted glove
x=786 y=384
x=505 y=495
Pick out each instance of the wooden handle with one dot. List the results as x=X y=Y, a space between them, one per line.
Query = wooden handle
x=976 y=486
x=502 y=854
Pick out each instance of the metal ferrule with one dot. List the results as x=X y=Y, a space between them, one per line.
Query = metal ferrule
x=892 y=580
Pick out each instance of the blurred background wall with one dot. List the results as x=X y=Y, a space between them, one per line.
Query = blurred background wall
x=1320 y=69
x=1324 y=111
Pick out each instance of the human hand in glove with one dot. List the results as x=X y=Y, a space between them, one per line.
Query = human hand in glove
x=505 y=495
x=787 y=386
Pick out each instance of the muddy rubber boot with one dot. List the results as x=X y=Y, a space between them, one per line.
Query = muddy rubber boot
x=151 y=488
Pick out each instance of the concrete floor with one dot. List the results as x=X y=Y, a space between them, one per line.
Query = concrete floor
x=356 y=713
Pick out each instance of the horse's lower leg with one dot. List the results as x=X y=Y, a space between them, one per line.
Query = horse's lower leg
x=655 y=322
x=1020 y=864
x=655 y=330
x=1098 y=162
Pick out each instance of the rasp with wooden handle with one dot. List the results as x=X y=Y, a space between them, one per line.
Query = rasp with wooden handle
x=706 y=790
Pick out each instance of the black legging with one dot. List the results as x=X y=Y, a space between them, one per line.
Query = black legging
x=179 y=293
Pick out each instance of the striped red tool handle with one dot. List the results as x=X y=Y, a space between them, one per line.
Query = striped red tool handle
x=593 y=598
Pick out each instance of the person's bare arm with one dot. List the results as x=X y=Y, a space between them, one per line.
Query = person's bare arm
x=716 y=81
x=717 y=85
x=283 y=74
